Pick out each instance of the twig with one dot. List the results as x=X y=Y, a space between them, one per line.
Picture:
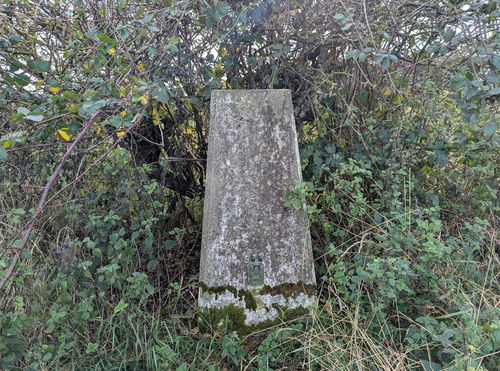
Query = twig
x=37 y=146
x=43 y=198
x=103 y=156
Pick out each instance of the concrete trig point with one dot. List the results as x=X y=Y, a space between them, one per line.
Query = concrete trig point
x=256 y=258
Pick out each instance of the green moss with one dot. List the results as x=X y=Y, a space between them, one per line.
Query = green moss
x=232 y=318
x=218 y=289
x=289 y=289
x=285 y=289
x=249 y=299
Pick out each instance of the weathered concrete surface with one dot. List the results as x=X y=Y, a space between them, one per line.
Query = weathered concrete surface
x=253 y=162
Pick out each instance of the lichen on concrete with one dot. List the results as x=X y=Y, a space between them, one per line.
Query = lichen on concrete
x=253 y=162
x=257 y=305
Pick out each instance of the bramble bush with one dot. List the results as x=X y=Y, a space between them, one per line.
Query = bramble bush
x=106 y=108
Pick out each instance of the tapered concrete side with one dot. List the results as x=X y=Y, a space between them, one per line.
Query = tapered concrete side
x=251 y=242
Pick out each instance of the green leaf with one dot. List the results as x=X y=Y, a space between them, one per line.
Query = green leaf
x=91 y=347
x=3 y=153
x=169 y=244
x=152 y=265
x=386 y=62
x=477 y=83
x=71 y=95
x=25 y=254
x=120 y=306
x=35 y=117
x=22 y=79
x=490 y=129
x=470 y=91
x=495 y=91
x=39 y=66
x=458 y=82
x=14 y=38
x=495 y=61
x=347 y=26
x=90 y=107
x=36 y=307
x=430 y=366
x=441 y=158
x=23 y=110
x=106 y=39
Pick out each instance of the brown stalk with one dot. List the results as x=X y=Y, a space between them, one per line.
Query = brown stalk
x=42 y=202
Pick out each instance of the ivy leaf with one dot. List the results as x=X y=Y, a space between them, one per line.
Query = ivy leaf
x=39 y=66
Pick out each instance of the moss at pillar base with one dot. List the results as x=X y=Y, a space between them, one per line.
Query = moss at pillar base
x=232 y=318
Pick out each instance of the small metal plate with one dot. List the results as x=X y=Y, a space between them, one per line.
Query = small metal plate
x=256 y=272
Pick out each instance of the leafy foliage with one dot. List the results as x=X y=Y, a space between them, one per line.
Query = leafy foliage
x=397 y=111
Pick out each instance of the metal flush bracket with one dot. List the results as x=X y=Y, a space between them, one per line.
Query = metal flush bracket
x=256 y=272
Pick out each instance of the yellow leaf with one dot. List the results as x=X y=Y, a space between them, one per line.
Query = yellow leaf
x=120 y=134
x=144 y=99
x=396 y=99
x=141 y=66
x=112 y=51
x=7 y=143
x=188 y=131
x=154 y=114
x=123 y=92
x=54 y=89
x=123 y=113
x=63 y=135
x=98 y=131
x=39 y=84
